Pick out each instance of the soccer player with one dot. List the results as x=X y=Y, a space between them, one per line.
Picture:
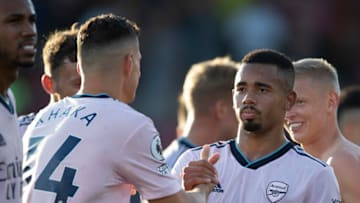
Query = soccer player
x=95 y=147
x=60 y=79
x=349 y=113
x=17 y=49
x=312 y=122
x=261 y=165
x=206 y=96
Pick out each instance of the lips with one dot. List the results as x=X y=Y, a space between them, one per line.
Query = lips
x=248 y=113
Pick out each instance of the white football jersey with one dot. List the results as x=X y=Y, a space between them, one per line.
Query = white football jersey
x=10 y=152
x=287 y=175
x=93 y=148
x=175 y=149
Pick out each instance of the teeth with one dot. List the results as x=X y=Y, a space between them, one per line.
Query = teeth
x=294 y=125
x=28 y=47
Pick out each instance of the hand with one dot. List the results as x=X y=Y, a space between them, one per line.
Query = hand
x=201 y=171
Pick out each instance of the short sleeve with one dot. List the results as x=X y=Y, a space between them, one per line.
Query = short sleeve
x=143 y=165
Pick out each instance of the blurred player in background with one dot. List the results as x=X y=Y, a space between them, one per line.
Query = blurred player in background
x=261 y=165
x=60 y=79
x=17 y=49
x=206 y=99
x=95 y=146
x=312 y=122
x=349 y=113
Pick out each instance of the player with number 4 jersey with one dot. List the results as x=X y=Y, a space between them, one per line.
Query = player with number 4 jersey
x=80 y=130
x=93 y=147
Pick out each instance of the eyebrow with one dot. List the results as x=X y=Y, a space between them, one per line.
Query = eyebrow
x=258 y=84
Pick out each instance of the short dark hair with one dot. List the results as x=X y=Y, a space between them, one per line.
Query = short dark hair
x=105 y=29
x=349 y=99
x=59 y=45
x=272 y=57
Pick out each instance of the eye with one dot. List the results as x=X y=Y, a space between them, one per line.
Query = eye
x=299 y=102
x=240 y=89
x=263 y=90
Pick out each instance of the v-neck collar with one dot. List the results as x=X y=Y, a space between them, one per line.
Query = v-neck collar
x=263 y=160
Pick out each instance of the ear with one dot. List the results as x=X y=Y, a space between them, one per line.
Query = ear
x=127 y=64
x=222 y=108
x=291 y=99
x=333 y=101
x=48 y=84
x=78 y=68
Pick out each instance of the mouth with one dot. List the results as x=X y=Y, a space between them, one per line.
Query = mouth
x=249 y=113
x=294 y=126
x=28 y=48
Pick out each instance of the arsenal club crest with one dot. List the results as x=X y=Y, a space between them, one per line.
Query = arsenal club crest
x=276 y=190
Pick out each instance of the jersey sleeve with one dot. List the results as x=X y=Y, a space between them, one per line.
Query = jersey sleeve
x=143 y=165
x=324 y=187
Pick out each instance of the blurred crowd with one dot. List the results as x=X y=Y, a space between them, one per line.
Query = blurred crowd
x=176 y=34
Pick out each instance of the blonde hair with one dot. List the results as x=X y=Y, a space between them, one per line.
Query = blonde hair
x=207 y=82
x=318 y=69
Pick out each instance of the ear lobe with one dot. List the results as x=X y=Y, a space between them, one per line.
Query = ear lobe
x=48 y=84
x=291 y=99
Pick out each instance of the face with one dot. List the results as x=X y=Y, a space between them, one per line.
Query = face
x=66 y=80
x=259 y=99
x=17 y=33
x=306 y=119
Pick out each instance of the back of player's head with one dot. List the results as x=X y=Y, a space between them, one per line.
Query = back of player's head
x=104 y=31
x=349 y=99
x=272 y=57
x=208 y=81
x=319 y=70
x=59 y=46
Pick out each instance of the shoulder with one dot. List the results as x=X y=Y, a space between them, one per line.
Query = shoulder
x=25 y=120
x=307 y=158
x=346 y=161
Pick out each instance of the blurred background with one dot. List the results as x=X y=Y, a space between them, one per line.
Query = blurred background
x=176 y=34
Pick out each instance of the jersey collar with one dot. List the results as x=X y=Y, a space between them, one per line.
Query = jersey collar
x=259 y=162
x=7 y=104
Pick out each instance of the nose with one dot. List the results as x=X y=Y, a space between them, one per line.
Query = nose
x=29 y=29
x=249 y=99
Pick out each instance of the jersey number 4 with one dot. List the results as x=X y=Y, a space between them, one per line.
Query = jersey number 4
x=63 y=188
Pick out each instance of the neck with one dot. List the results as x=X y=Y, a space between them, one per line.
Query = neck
x=7 y=77
x=98 y=83
x=201 y=130
x=255 y=145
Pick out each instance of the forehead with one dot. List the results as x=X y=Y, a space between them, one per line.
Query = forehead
x=257 y=73
x=16 y=7
x=306 y=86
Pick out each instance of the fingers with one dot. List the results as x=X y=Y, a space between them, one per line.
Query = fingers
x=214 y=158
x=205 y=152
